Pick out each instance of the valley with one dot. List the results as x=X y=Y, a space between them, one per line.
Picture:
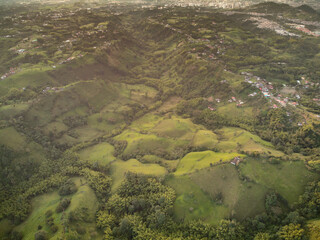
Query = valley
x=159 y=123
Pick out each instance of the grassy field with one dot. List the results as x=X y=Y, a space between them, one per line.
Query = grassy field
x=286 y=178
x=169 y=105
x=153 y=134
x=84 y=197
x=29 y=77
x=104 y=104
x=12 y=139
x=19 y=143
x=222 y=183
x=101 y=153
x=56 y=128
x=251 y=201
x=197 y=160
x=170 y=165
x=175 y=128
x=205 y=139
x=119 y=168
x=146 y=144
x=105 y=121
x=79 y=135
x=5 y=227
x=10 y=111
x=192 y=203
x=231 y=111
x=146 y=123
x=231 y=139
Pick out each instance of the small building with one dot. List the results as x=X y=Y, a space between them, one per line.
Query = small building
x=236 y=161
x=210 y=99
x=266 y=94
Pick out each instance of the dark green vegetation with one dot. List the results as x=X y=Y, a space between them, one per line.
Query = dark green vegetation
x=121 y=124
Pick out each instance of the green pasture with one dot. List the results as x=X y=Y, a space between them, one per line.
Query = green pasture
x=8 y=112
x=119 y=168
x=231 y=139
x=205 y=139
x=175 y=128
x=170 y=165
x=101 y=153
x=192 y=203
x=84 y=197
x=197 y=160
x=223 y=184
x=287 y=178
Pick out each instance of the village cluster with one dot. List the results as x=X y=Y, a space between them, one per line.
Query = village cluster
x=261 y=21
x=9 y=73
x=266 y=89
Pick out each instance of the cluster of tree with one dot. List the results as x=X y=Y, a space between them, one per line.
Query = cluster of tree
x=139 y=200
x=75 y=121
x=272 y=125
x=15 y=95
x=50 y=222
x=99 y=182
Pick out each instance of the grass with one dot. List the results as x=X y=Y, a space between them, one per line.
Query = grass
x=119 y=168
x=28 y=77
x=10 y=111
x=153 y=134
x=205 y=139
x=12 y=139
x=140 y=93
x=55 y=127
x=146 y=123
x=232 y=36
x=79 y=135
x=170 y=165
x=251 y=201
x=175 y=128
x=106 y=121
x=19 y=143
x=235 y=80
x=287 y=178
x=86 y=133
x=192 y=203
x=75 y=98
x=198 y=160
x=5 y=227
x=223 y=184
x=108 y=101
x=101 y=153
x=231 y=111
x=236 y=138
x=220 y=182
x=146 y=144
x=170 y=104
x=84 y=197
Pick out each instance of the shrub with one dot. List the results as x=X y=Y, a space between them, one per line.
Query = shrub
x=41 y=235
x=63 y=205
x=67 y=188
